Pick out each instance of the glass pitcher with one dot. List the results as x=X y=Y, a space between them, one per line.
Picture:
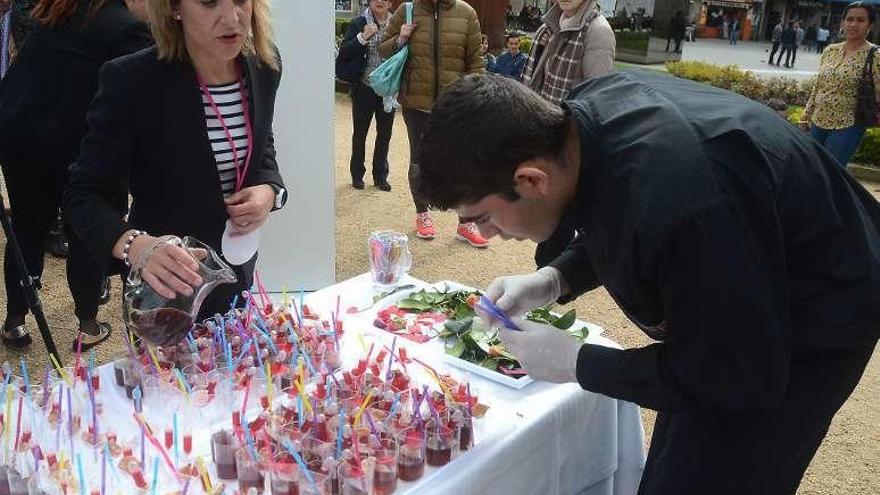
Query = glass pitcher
x=162 y=321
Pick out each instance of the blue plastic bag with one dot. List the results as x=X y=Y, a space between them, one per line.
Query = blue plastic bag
x=385 y=79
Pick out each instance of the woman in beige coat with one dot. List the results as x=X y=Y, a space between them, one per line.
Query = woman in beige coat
x=575 y=43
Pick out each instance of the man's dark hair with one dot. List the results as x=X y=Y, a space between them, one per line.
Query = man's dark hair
x=480 y=130
x=513 y=35
x=869 y=9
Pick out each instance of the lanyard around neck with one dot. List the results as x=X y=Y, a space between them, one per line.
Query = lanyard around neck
x=240 y=168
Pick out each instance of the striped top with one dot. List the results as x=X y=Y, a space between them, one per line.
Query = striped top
x=227 y=97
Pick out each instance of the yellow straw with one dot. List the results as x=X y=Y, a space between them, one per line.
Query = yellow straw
x=442 y=385
x=361 y=340
x=8 y=422
x=206 y=477
x=182 y=386
x=269 y=388
x=60 y=370
x=302 y=394
x=357 y=417
x=155 y=359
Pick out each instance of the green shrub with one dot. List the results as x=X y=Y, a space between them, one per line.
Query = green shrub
x=745 y=83
x=789 y=93
x=869 y=151
x=525 y=44
x=627 y=40
x=342 y=26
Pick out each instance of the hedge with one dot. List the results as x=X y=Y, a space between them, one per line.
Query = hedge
x=781 y=93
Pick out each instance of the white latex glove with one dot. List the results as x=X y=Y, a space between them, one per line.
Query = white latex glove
x=546 y=353
x=518 y=294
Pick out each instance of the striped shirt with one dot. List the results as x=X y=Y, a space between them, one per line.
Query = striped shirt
x=228 y=100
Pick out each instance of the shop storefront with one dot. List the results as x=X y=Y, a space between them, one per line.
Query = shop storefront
x=718 y=16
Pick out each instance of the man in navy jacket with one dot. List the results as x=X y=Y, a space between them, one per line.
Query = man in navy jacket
x=512 y=62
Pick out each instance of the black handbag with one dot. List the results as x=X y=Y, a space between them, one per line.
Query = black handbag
x=866 y=98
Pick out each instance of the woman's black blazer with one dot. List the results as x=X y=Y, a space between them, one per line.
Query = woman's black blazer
x=148 y=137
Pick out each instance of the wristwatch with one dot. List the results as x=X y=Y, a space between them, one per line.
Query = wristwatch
x=280 y=196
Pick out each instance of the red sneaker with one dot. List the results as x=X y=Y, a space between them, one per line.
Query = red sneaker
x=470 y=233
x=425 y=226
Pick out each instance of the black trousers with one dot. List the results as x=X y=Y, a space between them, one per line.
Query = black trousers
x=365 y=104
x=773 y=51
x=35 y=185
x=760 y=453
x=790 y=53
x=415 y=122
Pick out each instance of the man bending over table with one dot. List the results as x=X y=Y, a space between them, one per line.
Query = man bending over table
x=721 y=230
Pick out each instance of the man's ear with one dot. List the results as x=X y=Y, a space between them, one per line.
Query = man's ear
x=531 y=180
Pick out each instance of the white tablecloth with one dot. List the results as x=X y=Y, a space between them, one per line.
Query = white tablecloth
x=542 y=439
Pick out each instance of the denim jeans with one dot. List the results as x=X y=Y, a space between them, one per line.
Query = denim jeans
x=842 y=143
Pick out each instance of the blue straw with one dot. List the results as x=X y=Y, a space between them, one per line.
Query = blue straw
x=250 y=441
x=82 y=478
x=308 y=362
x=489 y=308
x=244 y=350
x=302 y=465
x=339 y=432
x=155 y=476
x=299 y=410
x=176 y=443
x=27 y=380
x=183 y=379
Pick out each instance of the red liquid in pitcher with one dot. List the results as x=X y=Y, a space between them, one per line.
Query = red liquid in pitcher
x=163 y=326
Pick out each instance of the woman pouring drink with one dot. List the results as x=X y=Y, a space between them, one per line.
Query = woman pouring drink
x=185 y=129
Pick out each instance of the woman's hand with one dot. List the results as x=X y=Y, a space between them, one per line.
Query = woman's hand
x=406 y=31
x=167 y=268
x=249 y=208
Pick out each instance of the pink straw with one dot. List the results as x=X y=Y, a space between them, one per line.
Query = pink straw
x=247 y=393
x=18 y=422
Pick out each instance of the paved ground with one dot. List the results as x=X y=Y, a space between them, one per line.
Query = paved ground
x=749 y=55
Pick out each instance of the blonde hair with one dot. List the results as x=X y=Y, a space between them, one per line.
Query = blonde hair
x=168 y=32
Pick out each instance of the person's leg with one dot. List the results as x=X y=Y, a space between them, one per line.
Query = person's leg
x=842 y=143
x=29 y=186
x=84 y=276
x=773 y=50
x=384 y=126
x=415 y=121
x=794 y=50
x=756 y=453
x=361 y=115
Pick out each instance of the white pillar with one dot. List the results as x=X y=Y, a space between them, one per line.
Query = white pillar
x=298 y=246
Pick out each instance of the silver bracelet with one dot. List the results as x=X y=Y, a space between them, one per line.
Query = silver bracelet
x=131 y=237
